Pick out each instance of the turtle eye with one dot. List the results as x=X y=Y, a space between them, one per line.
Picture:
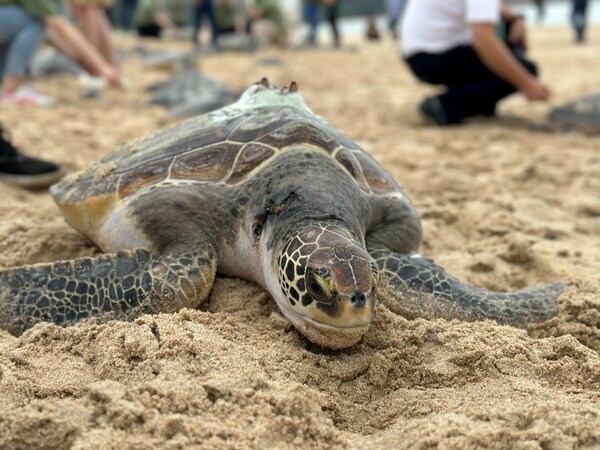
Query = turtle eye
x=317 y=286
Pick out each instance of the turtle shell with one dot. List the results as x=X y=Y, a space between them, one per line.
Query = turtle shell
x=224 y=147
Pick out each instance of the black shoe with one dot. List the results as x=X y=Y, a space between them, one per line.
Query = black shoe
x=24 y=171
x=433 y=110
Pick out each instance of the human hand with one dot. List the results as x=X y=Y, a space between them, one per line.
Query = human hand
x=536 y=90
x=518 y=33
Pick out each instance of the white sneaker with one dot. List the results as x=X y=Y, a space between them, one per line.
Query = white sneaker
x=87 y=81
x=26 y=95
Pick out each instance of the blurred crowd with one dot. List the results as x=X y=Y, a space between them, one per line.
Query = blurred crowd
x=476 y=51
x=83 y=31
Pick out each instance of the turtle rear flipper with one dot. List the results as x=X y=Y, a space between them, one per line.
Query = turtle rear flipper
x=125 y=284
x=429 y=292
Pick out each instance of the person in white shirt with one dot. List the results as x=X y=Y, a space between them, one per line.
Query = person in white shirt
x=455 y=43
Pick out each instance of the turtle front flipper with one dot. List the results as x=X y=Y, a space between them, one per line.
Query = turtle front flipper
x=428 y=291
x=121 y=285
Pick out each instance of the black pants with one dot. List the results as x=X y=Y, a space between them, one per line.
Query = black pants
x=149 y=31
x=206 y=9
x=578 y=18
x=332 y=13
x=473 y=89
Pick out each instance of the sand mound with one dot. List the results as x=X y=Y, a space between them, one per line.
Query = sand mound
x=502 y=207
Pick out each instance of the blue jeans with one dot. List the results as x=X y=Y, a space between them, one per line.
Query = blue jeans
x=20 y=37
x=311 y=12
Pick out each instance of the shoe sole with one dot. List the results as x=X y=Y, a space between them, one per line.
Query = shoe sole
x=40 y=181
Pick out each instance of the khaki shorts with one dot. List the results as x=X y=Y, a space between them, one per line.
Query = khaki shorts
x=99 y=3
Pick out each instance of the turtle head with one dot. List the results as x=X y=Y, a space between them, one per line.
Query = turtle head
x=263 y=94
x=328 y=283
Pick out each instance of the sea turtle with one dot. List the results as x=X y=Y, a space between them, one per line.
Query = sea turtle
x=185 y=84
x=190 y=93
x=262 y=190
x=581 y=114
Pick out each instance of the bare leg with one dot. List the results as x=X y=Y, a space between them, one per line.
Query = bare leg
x=108 y=48
x=93 y=23
x=10 y=84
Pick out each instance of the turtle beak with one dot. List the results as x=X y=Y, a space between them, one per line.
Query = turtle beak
x=345 y=311
x=344 y=328
x=353 y=310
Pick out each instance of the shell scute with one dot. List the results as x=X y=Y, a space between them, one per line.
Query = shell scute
x=251 y=156
x=259 y=125
x=206 y=164
x=131 y=180
x=376 y=177
x=346 y=158
x=188 y=136
x=301 y=131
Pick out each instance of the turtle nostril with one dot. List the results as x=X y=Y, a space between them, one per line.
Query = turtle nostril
x=358 y=299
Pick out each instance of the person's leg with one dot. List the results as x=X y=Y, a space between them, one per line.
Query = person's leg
x=12 y=20
x=94 y=25
x=129 y=7
x=394 y=11
x=372 y=31
x=20 y=37
x=472 y=89
x=332 y=15
x=151 y=31
x=107 y=45
x=196 y=21
x=579 y=19
x=541 y=10
x=312 y=15
x=22 y=170
x=210 y=12
x=86 y=22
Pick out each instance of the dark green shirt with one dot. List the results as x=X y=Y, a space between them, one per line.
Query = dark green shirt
x=270 y=10
x=225 y=15
x=146 y=9
x=37 y=8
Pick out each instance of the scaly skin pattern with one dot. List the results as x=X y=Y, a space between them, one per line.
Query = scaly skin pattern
x=125 y=284
x=263 y=190
x=428 y=291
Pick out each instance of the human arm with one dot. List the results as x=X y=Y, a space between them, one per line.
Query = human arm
x=497 y=57
x=517 y=33
x=82 y=50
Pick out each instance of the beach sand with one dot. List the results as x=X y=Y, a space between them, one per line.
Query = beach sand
x=503 y=207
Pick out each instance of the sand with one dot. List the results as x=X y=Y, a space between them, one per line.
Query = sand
x=503 y=207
